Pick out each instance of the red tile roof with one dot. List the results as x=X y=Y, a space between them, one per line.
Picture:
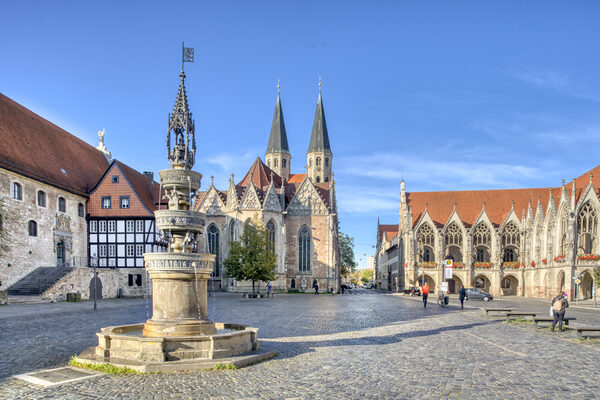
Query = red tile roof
x=387 y=232
x=260 y=175
x=35 y=147
x=147 y=190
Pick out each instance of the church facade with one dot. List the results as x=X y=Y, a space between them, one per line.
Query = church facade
x=524 y=242
x=298 y=210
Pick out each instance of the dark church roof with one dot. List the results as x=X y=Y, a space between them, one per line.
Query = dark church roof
x=278 y=139
x=36 y=148
x=319 y=139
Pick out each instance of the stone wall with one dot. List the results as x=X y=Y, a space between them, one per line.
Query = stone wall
x=113 y=281
x=27 y=253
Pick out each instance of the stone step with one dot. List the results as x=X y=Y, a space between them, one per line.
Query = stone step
x=186 y=354
x=27 y=300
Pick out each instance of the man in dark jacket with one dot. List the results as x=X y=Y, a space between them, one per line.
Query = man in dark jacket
x=559 y=305
x=461 y=296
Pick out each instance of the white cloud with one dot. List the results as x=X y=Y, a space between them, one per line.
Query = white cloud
x=583 y=88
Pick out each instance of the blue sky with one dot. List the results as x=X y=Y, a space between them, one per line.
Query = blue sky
x=449 y=95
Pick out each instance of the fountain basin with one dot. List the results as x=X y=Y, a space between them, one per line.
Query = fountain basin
x=127 y=342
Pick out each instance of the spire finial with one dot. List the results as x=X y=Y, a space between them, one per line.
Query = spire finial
x=212 y=178
x=278 y=86
x=563 y=182
x=320 y=85
x=591 y=177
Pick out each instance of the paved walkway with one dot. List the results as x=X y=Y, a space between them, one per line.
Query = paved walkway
x=365 y=345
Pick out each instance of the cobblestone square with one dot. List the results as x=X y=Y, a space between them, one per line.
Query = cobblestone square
x=363 y=345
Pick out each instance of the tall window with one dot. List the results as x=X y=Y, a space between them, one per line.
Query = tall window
x=482 y=243
x=275 y=162
x=271 y=230
x=304 y=250
x=102 y=250
x=17 y=193
x=102 y=225
x=41 y=198
x=80 y=210
x=425 y=243
x=130 y=250
x=318 y=179
x=62 y=204
x=139 y=225
x=232 y=231
x=139 y=250
x=213 y=245
x=112 y=226
x=112 y=250
x=130 y=225
x=510 y=242
x=587 y=224
x=284 y=163
x=94 y=226
x=106 y=202
x=563 y=232
x=318 y=163
x=124 y=201
x=327 y=162
x=32 y=228
x=454 y=239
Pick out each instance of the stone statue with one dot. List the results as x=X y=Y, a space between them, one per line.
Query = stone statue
x=303 y=283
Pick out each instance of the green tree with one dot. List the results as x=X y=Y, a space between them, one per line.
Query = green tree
x=597 y=276
x=252 y=257
x=347 y=261
x=366 y=275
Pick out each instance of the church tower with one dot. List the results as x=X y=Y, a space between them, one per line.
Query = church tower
x=319 y=156
x=278 y=153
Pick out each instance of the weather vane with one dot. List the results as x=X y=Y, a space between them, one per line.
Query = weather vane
x=187 y=54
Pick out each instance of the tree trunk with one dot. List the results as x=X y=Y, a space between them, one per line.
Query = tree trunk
x=253 y=292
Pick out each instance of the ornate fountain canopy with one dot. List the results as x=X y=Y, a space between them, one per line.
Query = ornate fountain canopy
x=181 y=126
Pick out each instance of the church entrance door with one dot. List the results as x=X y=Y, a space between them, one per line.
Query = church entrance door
x=60 y=254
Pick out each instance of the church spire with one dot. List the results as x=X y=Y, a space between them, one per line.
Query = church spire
x=181 y=125
x=278 y=155
x=319 y=156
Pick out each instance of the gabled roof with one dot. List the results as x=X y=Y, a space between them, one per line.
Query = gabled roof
x=278 y=138
x=387 y=232
x=36 y=148
x=319 y=138
x=260 y=175
x=147 y=190
x=469 y=203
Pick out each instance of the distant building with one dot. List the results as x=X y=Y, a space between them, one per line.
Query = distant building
x=299 y=210
x=388 y=259
x=525 y=242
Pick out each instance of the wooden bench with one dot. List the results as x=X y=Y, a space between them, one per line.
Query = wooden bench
x=489 y=310
x=580 y=330
x=550 y=319
x=511 y=315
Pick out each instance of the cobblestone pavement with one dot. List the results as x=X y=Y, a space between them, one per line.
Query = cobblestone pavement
x=367 y=345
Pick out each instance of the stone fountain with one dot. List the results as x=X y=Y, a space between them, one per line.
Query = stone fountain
x=179 y=336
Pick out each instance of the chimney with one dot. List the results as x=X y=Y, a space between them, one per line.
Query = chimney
x=149 y=175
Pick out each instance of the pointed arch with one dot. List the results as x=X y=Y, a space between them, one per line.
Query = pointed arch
x=511 y=240
x=587 y=226
x=453 y=239
x=304 y=249
x=213 y=236
x=426 y=242
x=232 y=235
x=482 y=242
x=271 y=230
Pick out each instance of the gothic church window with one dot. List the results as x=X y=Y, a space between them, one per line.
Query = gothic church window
x=41 y=198
x=454 y=239
x=62 y=204
x=213 y=245
x=271 y=231
x=275 y=163
x=304 y=250
x=318 y=179
x=232 y=231
x=318 y=163
x=510 y=242
x=17 y=193
x=482 y=243
x=587 y=223
x=32 y=228
x=284 y=163
x=425 y=243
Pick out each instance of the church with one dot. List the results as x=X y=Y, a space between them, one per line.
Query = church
x=523 y=242
x=299 y=211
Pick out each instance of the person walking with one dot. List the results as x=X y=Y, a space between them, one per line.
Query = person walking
x=269 y=287
x=461 y=296
x=425 y=292
x=559 y=305
x=316 y=286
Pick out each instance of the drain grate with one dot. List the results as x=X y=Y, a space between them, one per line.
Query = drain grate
x=58 y=376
